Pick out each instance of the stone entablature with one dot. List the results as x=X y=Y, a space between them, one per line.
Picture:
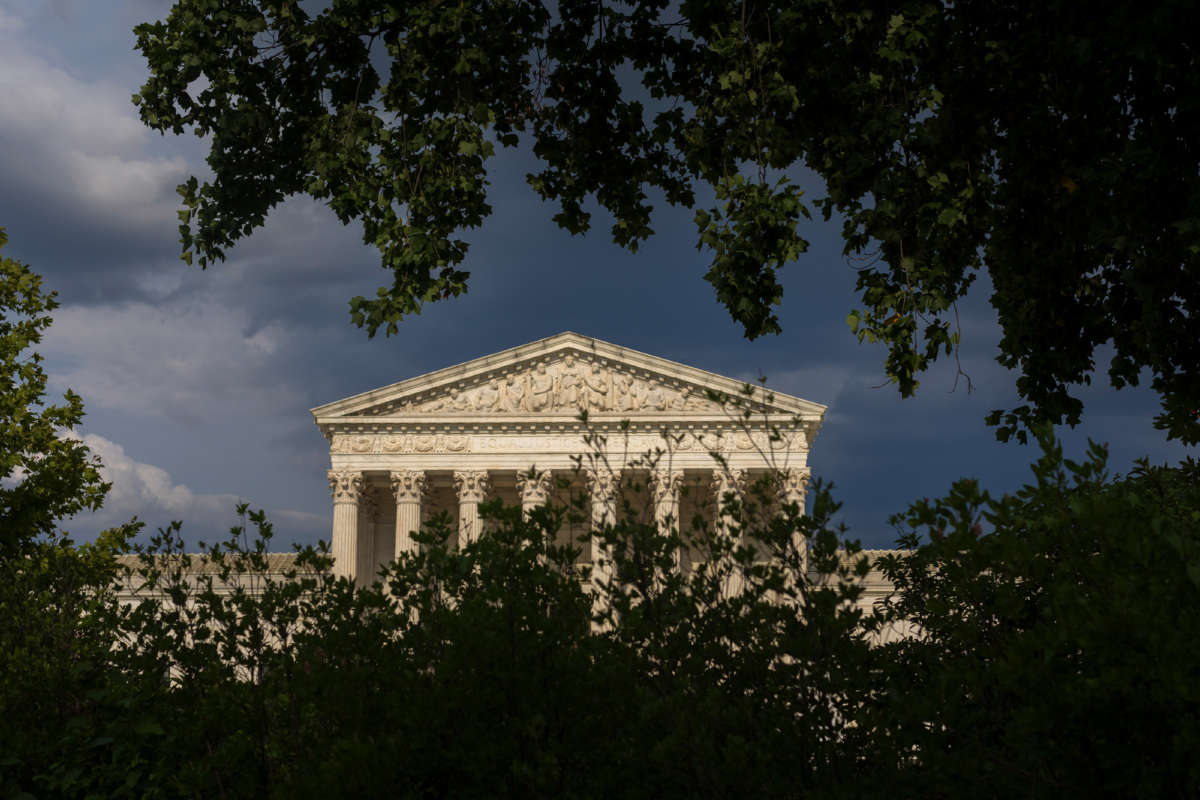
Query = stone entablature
x=720 y=438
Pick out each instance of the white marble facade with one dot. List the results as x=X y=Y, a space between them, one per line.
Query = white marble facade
x=509 y=425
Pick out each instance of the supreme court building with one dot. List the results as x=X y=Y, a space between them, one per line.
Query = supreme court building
x=510 y=426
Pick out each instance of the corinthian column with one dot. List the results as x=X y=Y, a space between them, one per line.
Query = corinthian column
x=726 y=482
x=602 y=485
x=666 y=485
x=534 y=487
x=408 y=486
x=794 y=489
x=472 y=486
x=368 y=513
x=346 y=486
x=729 y=484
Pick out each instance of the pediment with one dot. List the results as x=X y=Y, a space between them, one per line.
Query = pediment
x=567 y=383
x=560 y=377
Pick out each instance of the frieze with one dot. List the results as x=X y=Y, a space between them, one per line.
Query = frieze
x=440 y=443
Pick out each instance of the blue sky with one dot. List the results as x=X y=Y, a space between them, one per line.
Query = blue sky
x=198 y=383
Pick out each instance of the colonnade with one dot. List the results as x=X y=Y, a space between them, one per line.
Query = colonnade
x=352 y=503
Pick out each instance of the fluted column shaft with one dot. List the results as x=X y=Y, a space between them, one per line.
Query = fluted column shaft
x=726 y=482
x=368 y=512
x=472 y=487
x=795 y=490
x=408 y=487
x=346 y=486
x=666 y=485
x=729 y=484
x=602 y=485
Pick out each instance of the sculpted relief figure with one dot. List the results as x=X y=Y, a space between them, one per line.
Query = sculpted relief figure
x=595 y=383
x=396 y=444
x=623 y=399
x=454 y=401
x=541 y=390
x=696 y=401
x=488 y=397
x=515 y=393
x=655 y=397
x=567 y=393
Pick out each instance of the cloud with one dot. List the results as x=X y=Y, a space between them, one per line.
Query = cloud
x=181 y=361
x=142 y=488
x=79 y=145
x=148 y=492
x=10 y=24
x=89 y=192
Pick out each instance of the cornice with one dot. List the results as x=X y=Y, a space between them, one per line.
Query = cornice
x=563 y=425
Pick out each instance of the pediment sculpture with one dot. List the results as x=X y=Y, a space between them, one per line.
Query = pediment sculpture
x=568 y=385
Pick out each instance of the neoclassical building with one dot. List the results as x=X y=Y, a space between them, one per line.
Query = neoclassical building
x=512 y=426
x=563 y=417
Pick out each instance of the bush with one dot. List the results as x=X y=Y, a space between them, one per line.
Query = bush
x=1054 y=651
x=1059 y=636
x=492 y=671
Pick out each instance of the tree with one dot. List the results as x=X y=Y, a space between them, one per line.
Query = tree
x=1051 y=146
x=54 y=595
x=44 y=474
x=1057 y=634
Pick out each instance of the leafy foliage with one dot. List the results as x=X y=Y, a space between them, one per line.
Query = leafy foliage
x=1053 y=653
x=44 y=475
x=55 y=640
x=1051 y=146
x=498 y=670
x=55 y=643
x=1058 y=634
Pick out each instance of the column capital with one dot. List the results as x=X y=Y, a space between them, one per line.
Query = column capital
x=346 y=486
x=534 y=486
x=603 y=484
x=666 y=483
x=472 y=485
x=408 y=485
x=794 y=484
x=728 y=479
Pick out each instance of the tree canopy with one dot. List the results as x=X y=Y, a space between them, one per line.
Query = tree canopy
x=44 y=474
x=1054 y=147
